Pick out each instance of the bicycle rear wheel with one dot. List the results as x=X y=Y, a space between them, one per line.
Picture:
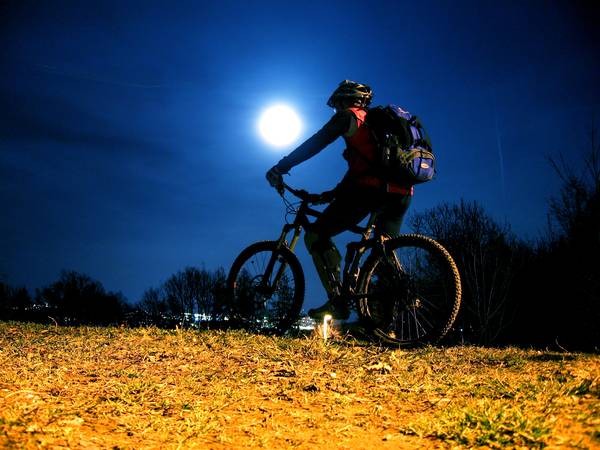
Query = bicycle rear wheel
x=412 y=293
x=266 y=289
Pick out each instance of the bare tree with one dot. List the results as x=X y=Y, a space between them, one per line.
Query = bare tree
x=219 y=293
x=573 y=251
x=576 y=206
x=181 y=293
x=192 y=291
x=14 y=302
x=154 y=304
x=487 y=255
x=75 y=298
x=190 y=295
x=204 y=293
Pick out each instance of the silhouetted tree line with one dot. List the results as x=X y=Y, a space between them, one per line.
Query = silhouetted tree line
x=560 y=290
x=191 y=297
x=15 y=303
x=73 y=299
x=545 y=293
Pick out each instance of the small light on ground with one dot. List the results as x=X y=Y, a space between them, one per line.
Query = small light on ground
x=326 y=319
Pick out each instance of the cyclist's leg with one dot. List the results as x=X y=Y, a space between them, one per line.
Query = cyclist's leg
x=392 y=212
x=349 y=208
x=327 y=260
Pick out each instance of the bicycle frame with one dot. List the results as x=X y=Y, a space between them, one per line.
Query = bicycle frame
x=354 y=250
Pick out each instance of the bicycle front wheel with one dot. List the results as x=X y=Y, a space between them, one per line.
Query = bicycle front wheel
x=266 y=289
x=412 y=293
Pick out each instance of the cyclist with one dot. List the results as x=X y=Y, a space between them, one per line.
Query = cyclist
x=361 y=191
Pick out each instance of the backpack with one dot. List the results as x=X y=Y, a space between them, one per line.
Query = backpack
x=404 y=150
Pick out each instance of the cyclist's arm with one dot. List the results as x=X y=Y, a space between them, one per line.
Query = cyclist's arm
x=338 y=125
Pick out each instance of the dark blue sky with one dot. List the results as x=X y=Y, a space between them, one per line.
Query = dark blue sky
x=128 y=142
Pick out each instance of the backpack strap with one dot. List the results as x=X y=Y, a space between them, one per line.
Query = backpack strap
x=420 y=136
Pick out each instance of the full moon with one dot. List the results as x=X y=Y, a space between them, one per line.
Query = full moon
x=279 y=125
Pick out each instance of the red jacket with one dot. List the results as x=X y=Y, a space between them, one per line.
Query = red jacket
x=361 y=150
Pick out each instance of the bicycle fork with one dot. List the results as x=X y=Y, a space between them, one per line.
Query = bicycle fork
x=281 y=242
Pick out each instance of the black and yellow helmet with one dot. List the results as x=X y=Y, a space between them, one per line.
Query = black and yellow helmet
x=359 y=94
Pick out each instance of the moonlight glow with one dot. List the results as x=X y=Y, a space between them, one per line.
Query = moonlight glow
x=279 y=125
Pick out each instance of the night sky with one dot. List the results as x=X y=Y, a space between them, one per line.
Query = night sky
x=128 y=130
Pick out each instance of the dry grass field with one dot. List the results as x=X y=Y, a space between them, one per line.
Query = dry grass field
x=147 y=388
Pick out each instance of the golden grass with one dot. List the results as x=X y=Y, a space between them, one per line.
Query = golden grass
x=149 y=388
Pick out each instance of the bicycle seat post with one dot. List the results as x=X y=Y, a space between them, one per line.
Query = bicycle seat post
x=354 y=252
x=351 y=249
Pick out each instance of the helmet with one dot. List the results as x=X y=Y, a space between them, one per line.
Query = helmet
x=358 y=94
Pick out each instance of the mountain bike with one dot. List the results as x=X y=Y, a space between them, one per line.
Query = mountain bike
x=406 y=290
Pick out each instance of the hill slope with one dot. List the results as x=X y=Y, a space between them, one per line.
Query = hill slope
x=149 y=388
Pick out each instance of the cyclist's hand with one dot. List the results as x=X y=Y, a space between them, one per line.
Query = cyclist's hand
x=275 y=179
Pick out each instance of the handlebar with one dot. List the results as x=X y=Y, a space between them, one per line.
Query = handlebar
x=301 y=194
x=306 y=196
